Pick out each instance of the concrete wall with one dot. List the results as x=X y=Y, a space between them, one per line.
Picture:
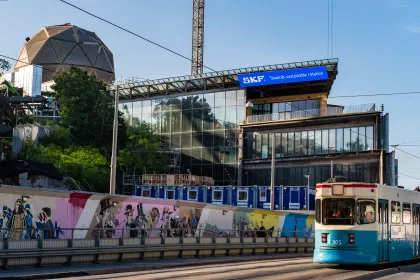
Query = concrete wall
x=56 y=211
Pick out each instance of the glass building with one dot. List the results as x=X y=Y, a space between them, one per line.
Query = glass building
x=202 y=126
x=227 y=131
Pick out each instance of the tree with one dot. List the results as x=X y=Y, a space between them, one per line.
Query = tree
x=4 y=66
x=141 y=154
x=87 y=109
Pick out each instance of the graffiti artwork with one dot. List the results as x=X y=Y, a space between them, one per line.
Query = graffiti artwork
x=52 y=214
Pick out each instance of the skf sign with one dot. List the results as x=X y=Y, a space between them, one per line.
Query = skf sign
x=252 y=80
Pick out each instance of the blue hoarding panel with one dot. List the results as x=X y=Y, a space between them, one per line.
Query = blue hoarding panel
x=283 y=76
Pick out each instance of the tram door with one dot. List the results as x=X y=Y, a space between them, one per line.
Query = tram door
x=383 y=231
x=416 y=232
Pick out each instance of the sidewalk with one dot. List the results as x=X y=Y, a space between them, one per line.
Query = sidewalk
x=106 y=268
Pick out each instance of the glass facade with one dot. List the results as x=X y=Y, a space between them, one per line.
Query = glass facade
x=285 y=108
x=203 y=126
x=294 y=176
x=311 y=142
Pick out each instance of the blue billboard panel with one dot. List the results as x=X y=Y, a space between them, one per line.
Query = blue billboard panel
x=298 y=75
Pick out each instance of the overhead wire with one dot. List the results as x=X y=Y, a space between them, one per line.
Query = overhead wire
x=135 y=34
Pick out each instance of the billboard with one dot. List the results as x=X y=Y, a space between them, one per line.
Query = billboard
x=298 y=75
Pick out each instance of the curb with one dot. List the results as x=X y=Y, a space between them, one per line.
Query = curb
x=140 y=267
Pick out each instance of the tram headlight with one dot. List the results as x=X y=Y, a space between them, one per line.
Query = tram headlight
x=324 y=238
x=351 y=238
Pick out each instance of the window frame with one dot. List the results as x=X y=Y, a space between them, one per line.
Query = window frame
x=374 y=210
x=265 y=196
x=353 y=220
x=146 y=190
x=318 y=211
x=221 y=195
x=399 y=211
x=242 y=200
x=404 y=209
x=188 y=195
x=166 y=194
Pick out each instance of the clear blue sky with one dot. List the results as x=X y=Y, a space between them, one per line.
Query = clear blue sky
x=377 y=42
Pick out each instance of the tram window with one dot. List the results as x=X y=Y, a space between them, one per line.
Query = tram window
x=416 y=214
x=318 y=210
x=395 y=212
x=365 y=211
x=145 y=193
x=406 y=213
x=338 y=211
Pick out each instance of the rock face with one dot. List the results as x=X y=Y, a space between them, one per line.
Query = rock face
x=57 y=48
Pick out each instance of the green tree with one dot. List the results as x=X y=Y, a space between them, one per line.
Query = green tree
x=87 y=109
x=141 y=154
x=4 y=66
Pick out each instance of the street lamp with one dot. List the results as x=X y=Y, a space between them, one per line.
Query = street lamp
x=114 y=146
x=307 y=175
x=249 y=105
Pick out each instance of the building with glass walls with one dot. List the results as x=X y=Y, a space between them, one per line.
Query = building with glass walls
x=224 y=124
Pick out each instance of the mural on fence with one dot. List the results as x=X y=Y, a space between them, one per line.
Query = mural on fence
x=49 y=215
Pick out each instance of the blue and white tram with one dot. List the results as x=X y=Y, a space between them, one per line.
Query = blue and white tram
x=359 y=223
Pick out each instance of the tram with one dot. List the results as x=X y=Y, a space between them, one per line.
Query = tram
x=366 y=224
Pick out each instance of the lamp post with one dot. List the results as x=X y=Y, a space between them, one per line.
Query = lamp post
x=307 y=175
x=273 y=165
x=114 y=146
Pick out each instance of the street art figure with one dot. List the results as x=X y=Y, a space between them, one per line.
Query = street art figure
x=47 y=229
x=17 y=221
x=141 y=221
x=129 y=222
x=107 y=222
x=153 y=219
x=29 y=232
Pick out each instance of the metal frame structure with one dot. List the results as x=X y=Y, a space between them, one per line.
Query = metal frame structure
x=197 y=37
x=136 y=88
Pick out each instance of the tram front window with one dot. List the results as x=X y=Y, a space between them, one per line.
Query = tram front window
x=365 y=211
x=338 y=211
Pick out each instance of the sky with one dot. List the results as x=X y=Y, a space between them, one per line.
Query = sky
x=376 y=41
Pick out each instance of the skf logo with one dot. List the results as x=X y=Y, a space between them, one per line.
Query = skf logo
x=251 y=80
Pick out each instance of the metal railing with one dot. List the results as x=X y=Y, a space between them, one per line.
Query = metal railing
x=37 y=247
x=312 y=113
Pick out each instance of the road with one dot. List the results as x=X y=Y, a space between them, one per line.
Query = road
x=260 y=269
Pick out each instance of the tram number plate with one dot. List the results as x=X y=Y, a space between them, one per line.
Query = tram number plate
x=336 y=242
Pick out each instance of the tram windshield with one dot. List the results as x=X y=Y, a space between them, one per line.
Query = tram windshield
x=338 y=211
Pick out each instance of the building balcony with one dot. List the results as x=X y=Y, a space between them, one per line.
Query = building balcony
x=331 y=110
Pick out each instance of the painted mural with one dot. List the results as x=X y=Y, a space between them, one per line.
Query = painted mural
x=48 y=214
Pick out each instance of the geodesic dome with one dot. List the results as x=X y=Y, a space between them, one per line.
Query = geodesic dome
x=59 y=47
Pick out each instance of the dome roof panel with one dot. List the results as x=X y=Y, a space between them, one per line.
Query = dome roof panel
x=67 y=35
x=102 y=62
x=33 y=48
x=54 y=30
x=46 y=55
x=23 y=58
x=62 y=48
x=77 y=57
x=91 y=50
x=40 y=36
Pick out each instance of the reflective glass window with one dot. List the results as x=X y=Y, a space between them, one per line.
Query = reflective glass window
x=362 y=137
x=197 y=120
x=219 y=99
x=146 y=118
x=137 y=107
x=331 y=141
x=316 y=103
x=176 y=122
x=258 y=142
x=318 y=142
x=175 y=103
x=302 y=105
x=395 y=212
x=197 y=140
x=279 y=152
x=176 y=140
x=325 y=141
x=187 y=120
x=311 y=142
x=369 y=138
x=230 y=98
x=406 y=213
x=347 y=140
x=275 y=107
x=186 y=140
x=304 y=140
x=187 y=102
x=208 y=100
x=208 y=140
x=355 y=139
x=298 y=144
x=290 y=144
x=240 y=97
x=198 y=101
x=340 y=140
x=230 y=121
x=282 y=107
x=264 y=147
x=240 y=114
x=309 y=105
x=219 y=117
x=208 y=119
x=295 y=105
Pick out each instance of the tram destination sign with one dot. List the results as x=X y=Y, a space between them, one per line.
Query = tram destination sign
x=297 y=75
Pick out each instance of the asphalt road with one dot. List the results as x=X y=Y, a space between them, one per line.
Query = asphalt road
x=294 y=267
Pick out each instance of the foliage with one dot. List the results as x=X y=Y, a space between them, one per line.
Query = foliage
x=84 y=164
x=141 y=154
x=87 y=109
x=4 y=66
